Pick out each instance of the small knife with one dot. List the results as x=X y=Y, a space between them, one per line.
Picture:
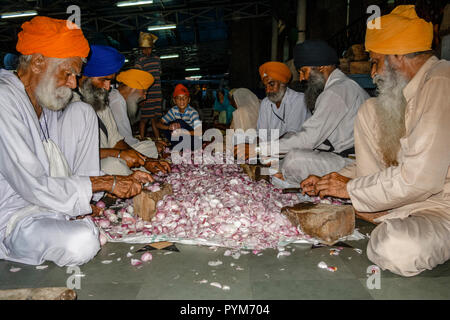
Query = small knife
x=292 y=190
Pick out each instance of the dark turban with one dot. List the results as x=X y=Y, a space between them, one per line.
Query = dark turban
x=314 y=53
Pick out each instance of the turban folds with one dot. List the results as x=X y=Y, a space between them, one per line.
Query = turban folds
x=180 y=90
x=401 y=32
x=314 y=53
x=276 y=70
x=147 y=40
x=104 y=61
x=137 y=79
x=52 y=38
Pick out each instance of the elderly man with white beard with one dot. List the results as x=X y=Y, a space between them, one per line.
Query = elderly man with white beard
x=401 y=178
x=117 y=156
x=132 y=87
x=49 y=166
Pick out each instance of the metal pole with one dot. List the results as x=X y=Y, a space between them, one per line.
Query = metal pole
x=301 y=20
x=274 y=39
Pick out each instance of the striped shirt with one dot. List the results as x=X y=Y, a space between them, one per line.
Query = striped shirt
x=190 y=116
x=151 y=106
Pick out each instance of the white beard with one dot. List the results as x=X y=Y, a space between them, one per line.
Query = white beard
x=390 y=112
x=132 y=106
x=47 y=95
x=278 y=96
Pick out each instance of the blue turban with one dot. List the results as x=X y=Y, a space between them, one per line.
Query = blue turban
x=10 y=61
x=104 y=61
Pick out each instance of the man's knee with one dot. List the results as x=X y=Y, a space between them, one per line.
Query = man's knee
x=82 y=244
x=392 y=248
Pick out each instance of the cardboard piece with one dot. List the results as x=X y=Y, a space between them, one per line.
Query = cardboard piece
x=325 y=222
x=163 y=245
x=145 y=203
x=56 y=293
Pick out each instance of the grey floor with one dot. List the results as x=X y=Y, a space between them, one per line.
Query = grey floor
x=179 y=275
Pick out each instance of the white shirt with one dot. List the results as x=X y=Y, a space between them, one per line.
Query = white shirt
x=118 y=107
x=24 y=167
x=333 y=118
x=114 y=136
x=288 y=118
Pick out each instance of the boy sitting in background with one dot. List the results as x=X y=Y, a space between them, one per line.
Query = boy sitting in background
x=181 y=116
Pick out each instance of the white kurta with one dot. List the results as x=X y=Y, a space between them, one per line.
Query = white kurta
x=111 y=165
x=415 y=235
x=333 y=118
x=25 y=179
x=288 y=118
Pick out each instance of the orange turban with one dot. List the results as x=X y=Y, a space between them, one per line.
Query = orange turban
x=180 y=90
x=52 y=38
x=402 y=32
x=137 y=79
x=277 y=70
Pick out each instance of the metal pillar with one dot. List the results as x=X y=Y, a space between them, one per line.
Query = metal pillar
x=301 y=20
x=274 y=54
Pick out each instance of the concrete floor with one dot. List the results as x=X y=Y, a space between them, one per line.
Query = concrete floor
x=178 y=275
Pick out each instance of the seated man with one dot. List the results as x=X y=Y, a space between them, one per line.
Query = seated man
x=181 y=116
x=49 y=165
x=133 y=85
x=283 y=109
x=402 y=149
x=117 y=157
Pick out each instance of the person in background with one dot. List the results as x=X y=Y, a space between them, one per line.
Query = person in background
x=224 y=108
x=132 y=87
x=10 y=61
x=181 y=116
x=283 y=109
x=117 y=156
x=151 y=107
x=247 y=106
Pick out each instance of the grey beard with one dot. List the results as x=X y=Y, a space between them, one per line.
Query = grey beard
x=96 y=97
x=276 y=97
x=132 y=108
x=390 y=112
x=316 y=85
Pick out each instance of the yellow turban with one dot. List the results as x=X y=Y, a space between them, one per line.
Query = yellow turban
x=147 y=40
x=52 y=38
x=276 y=70
x=401 y=32
x=137 y=79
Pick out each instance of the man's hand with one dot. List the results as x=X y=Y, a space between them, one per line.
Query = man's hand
x=129 y=186
x=142 y=177
x=160 y=146
x=157 y=165
x=249 y=151
x=308 y=185
x=333 y=185
x=133 y=158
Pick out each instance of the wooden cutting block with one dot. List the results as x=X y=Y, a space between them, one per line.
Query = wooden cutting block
x=254 y=172
x=323 y=221
x=145 y=203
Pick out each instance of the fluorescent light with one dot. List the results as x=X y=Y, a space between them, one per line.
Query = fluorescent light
x=162 y=27
x=194 y=78
x=192 y=69
x=18 y=14
x=133 y=3
x=126 y=60
x=169 y=56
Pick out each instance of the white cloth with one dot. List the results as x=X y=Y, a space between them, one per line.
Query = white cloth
x=106 y=116
x=246 y=115
x=25 y=179
x=288 y=118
